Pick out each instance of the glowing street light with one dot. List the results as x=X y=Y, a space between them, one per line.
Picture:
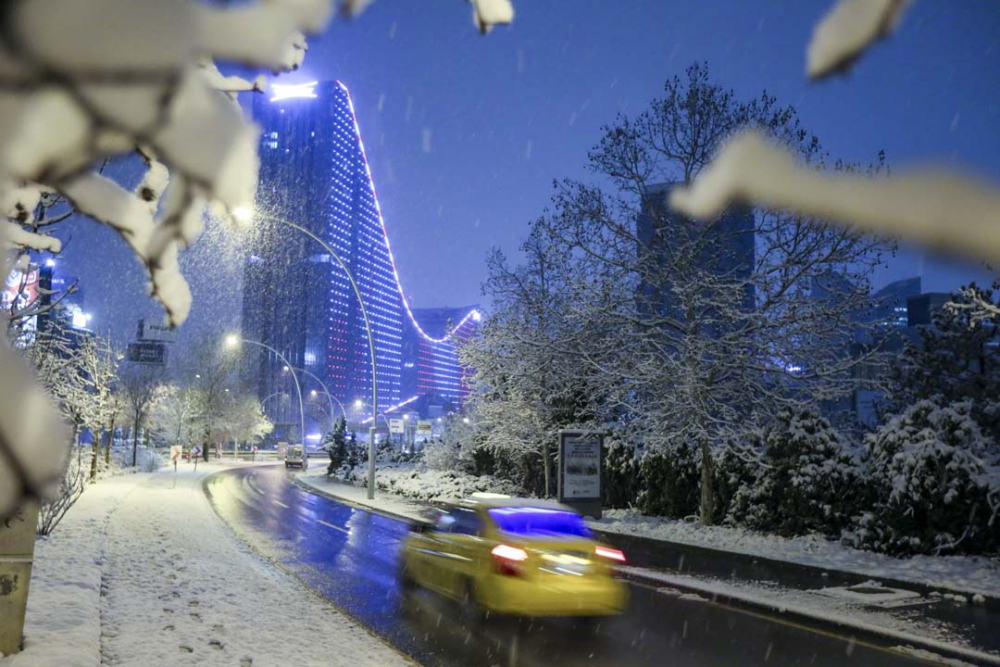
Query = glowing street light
x=245 y=214
x=232 y=340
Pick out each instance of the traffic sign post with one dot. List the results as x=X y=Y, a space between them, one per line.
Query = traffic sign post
x=176 y=451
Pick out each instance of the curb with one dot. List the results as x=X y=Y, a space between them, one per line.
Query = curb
x=345 y=501
x=691 y=552
x=842 y=626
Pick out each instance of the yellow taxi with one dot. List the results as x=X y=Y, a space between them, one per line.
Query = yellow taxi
x=514 y=556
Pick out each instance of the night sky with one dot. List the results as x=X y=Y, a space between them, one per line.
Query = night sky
x=465 y=133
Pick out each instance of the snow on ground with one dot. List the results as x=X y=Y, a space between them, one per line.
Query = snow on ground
x=417 y=482
x=908 y=630
x=969 y=574
x=142 y=572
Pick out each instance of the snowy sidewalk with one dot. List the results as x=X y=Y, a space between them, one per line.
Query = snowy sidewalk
x=142 y=572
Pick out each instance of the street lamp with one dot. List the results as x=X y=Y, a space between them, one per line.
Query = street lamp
x=330 y=397
x=246 y=214
x=232 y=340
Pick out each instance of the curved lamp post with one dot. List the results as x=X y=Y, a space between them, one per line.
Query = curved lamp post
x=330 y=397
x=245 y=214
x=232 y=340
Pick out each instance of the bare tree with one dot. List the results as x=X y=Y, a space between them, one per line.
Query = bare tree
x=140 y=384
x=692 y=333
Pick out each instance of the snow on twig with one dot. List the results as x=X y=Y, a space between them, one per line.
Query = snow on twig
x=15 y=237
x=846 y=31
x=939 y=209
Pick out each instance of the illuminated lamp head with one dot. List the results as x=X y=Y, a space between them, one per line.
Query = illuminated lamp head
x=287 y=91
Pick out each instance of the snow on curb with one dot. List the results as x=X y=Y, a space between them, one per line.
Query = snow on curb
x=971 y=575
x=720 y=592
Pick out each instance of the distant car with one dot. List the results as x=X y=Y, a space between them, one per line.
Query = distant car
x=517 y=557
x=295 y=456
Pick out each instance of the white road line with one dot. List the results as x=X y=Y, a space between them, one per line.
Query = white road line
x=330 y=525
x=278 y=502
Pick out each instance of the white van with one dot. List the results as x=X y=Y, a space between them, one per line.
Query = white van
x=295 y=455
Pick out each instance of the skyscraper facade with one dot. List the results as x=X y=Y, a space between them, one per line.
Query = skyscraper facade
x=296 y=297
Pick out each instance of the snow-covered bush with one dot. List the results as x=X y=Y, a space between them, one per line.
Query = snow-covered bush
x=622 y=477
x=936 y=488
x=671 y=475
x=453 y=450
x=808 y=479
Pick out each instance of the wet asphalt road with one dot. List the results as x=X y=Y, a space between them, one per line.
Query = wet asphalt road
x=350 y=556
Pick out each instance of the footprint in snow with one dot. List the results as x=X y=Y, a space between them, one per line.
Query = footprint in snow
x=187 y=649
x=216 y=644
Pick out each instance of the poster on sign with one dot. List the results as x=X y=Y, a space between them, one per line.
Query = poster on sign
x=579 y=482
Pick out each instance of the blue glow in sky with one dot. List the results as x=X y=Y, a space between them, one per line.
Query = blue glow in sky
x=465 y=133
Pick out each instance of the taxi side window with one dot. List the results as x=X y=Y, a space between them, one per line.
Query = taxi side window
x=466 y=522
x=444 y=523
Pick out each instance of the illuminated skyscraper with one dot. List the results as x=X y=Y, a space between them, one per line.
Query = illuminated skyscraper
x=296 y=298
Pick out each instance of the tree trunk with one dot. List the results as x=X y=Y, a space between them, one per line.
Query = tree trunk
x=135 y=439
x=547 y=462
x=111 y=441
x=95 y=453
x=707 y=492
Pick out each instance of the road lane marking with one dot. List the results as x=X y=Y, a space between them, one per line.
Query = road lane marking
x=330 y=525
x=278 y=502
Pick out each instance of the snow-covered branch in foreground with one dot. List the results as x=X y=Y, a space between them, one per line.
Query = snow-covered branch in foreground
x=847 y=30
x=488 y=13
x=938 y=209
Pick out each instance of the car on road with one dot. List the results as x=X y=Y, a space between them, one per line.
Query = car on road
x=295 y=456
x=514 y=557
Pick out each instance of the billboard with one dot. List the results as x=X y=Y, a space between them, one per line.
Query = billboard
x=579 y=482
x=424 y=427
x=21 y=289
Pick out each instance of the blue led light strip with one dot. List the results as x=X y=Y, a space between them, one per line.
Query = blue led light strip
x=472 y=314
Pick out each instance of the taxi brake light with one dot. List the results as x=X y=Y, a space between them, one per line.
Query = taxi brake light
x=509 y=553
x=613 y=554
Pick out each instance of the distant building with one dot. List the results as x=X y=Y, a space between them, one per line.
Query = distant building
x=920 y=309
x=296 y=297
x=728 y=251
x=889 y=304
x=430 y=366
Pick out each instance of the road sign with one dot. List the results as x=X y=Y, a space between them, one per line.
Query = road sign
x=196 y=452
x=396 y=426
x=176 y=452
x=425 y=427
x=147 y=352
